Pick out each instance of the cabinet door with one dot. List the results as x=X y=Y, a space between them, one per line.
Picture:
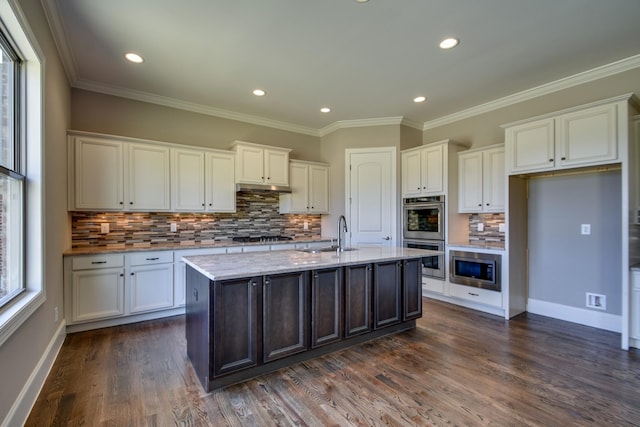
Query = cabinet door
x=188 y=180
x=493 y=180
x=357 y=302
x=97 y=294
x=470 y=182
x=635 y=305
x=318 y=189
x=412 y=289
x=148 y=178
x=530 y=146
x=151 y=288
x=284 y=315
x=433 y=170
x=220 y=183
x=298 y=200
x=387 y=293
x=276 y=167
x=326 y=306
x=411 y=174
x=235 y=335
x=98 y=158
x=250 y=165
x=587 y=137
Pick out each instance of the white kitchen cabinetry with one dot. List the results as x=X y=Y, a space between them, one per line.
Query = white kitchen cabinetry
x=203 y=181
x=481 y=178
x=150 y=281
x=476 y=295
x=423 y=171
x=115 y=175
x=635 y=309
x=261 y=164
x=96 y=288
x=309 y=184
x=579 y=137
x=148 y=178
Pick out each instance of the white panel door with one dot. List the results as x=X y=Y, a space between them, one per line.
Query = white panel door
x=371 y=196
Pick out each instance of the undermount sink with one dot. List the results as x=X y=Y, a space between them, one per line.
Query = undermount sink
x=325 y=249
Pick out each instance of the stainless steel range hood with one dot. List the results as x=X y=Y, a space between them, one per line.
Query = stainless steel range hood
x=263 y=187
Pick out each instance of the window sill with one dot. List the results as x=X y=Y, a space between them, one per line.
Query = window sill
x=16 y=313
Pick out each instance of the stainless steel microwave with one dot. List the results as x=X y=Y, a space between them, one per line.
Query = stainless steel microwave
x=475 y=269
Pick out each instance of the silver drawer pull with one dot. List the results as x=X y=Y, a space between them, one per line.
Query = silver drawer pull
x=98 y=262
x=153 y=259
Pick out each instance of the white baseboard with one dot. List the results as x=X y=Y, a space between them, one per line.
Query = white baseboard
x=21 y=408
x=582 y=316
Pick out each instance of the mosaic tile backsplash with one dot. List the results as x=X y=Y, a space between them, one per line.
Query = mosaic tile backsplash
x=491 y=223
x=256 y=215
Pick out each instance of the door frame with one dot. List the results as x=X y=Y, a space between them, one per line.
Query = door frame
x=348 y=152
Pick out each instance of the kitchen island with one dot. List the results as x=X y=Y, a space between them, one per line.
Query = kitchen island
x=253 y=313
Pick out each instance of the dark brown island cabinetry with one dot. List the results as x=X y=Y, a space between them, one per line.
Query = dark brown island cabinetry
x=240 y=328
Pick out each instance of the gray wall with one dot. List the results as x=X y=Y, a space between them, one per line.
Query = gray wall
x=563 y=264
x=21 y=353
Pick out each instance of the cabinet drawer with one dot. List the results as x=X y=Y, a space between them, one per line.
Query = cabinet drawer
x=156 y=257
x=97 y=261
x=482 y=296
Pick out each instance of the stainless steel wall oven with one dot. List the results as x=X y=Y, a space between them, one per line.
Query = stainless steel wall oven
x=423 y=218
x=432 y=266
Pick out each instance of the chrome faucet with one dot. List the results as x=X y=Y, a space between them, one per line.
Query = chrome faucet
x=342 y=219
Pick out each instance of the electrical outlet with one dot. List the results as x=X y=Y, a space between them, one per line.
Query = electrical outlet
x=585 y=229
x=174 y=227
x=480 y=226
x=55 y=314
x=305 y=225
x=502 y=227
x=104 y=228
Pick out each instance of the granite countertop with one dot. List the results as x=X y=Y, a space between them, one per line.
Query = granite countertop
x=145 y=247
x=249 y=264
x=478 y=244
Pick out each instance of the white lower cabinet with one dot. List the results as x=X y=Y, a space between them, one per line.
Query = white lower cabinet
x=478 y=295
x=150 y=281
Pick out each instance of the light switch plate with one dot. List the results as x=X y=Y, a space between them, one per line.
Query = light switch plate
x=174 y=227
x=585 y=229
x=480 y=226
x=104 y=228
x=502 y=227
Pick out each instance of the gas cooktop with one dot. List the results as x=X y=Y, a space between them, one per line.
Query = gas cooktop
x=267 y=238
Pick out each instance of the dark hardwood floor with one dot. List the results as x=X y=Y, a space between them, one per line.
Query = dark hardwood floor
x=458 y=367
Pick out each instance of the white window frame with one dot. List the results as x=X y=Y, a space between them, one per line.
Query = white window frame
x=14 y=314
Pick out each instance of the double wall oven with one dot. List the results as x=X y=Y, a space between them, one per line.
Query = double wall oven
x=423 y=228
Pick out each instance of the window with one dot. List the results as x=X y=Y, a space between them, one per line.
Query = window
x=11 y=176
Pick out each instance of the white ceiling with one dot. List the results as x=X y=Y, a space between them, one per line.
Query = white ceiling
x=364 y=60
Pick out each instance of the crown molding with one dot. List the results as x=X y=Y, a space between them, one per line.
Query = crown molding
x=343 y=124
x=60 y=39
x=544 y=89
x=193 y=107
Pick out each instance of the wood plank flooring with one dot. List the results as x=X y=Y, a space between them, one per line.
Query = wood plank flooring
x=458 y=367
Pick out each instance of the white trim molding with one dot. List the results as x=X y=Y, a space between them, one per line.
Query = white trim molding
x=582 y=316
x=22 y=406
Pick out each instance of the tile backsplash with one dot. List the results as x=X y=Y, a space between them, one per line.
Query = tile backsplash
x=491 y=223
x=256 y=215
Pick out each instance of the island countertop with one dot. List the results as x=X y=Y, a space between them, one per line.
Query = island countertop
x=235 y=266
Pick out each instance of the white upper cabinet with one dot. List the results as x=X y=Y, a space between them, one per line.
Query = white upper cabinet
x=309 y=184
x=481 y=177
x=188 y=180
x=423 y=171
x=149 y=178
x=261 y=164
x=113 y=175
x=93 y=158
x=220 y=186
x=581 y=137
x=203 y=181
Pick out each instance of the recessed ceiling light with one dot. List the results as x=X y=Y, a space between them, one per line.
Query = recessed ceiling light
x=325 y=110
x=418 y=99
x=448 y=43
x=134 y=57
x=362 y=1
x=259 y=92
